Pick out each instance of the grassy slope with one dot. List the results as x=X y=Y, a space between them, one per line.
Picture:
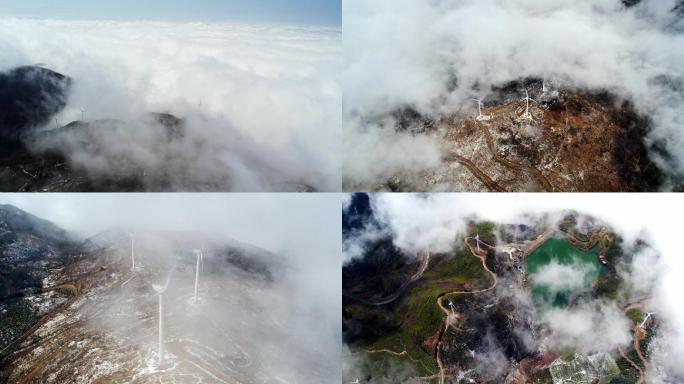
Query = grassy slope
x=418 y=314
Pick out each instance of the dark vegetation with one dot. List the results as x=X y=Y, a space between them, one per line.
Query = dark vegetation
x=30 y=97
x=413 y=322
x=245 y=262
x=29 y=246
x=383 y=271
x=630 y=3
x=408 y=119
x=632 y=159
x=16 y=317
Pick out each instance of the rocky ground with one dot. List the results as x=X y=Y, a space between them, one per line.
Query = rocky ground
x=572 y=140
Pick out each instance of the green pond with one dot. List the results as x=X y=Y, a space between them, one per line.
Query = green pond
x=558 y=270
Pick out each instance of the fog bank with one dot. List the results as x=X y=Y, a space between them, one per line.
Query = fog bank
x=261 y=103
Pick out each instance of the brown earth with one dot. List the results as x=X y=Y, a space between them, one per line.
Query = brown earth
x=575 y=141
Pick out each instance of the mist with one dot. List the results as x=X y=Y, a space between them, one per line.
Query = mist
x=260 y=104
x=433 y=56
x=278 y=304
x=420 y=221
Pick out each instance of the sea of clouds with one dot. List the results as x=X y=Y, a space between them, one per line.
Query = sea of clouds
x=262 y=103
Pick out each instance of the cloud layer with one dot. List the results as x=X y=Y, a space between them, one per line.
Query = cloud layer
x=261 y=103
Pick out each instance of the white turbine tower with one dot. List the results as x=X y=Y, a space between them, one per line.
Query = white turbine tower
x=648 y=316
x=160 y=289
x=453 y=309
x=480 y=116
x=477 y=241
x=527 y=114
x=132 y=252
x=200 y=261
x=82 y=114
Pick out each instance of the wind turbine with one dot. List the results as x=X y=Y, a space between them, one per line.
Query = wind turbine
x=160 y=289
x=132 y=252
x=356 y=382
x=510 y=253
x=477 y=240
x=453 y=310
x=200 y=260
x=480 y=116
x=527 y=114
x=648 y=316
x=82 y=114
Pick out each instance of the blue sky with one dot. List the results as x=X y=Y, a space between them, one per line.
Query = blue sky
x=319 y=12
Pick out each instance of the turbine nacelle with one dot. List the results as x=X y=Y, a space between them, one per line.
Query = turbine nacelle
x=158 y=288
x=161 y=288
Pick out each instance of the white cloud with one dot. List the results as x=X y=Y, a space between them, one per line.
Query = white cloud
x=589 y=328
x=262 y=102
x=558 y=277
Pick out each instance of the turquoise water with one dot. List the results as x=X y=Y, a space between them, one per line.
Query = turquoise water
x=555 y=293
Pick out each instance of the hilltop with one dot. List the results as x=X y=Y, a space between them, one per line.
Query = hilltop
x=78 y=312
x=571 y=140
x=32 y=160
x=482 y=312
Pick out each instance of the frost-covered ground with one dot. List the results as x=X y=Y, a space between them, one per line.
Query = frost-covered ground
x=240 y=330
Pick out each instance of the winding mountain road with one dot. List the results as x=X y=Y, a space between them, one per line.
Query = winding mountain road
x=388 y=299
x=483 y=259
x=639 y=335
x=542 y=180
x=527 y=248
